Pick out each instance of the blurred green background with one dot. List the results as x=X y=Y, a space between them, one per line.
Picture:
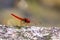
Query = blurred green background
x=40 y=12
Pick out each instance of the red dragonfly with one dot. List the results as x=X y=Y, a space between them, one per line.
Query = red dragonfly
x=26 y=20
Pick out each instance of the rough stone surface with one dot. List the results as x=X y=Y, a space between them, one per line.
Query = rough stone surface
x=29 y=33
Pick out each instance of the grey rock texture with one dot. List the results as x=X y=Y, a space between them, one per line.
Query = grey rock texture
x=29 y=33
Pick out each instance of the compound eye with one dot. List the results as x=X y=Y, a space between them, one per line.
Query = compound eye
x=27 y=20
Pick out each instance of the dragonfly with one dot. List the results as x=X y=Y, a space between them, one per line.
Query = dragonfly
x=26 y=20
